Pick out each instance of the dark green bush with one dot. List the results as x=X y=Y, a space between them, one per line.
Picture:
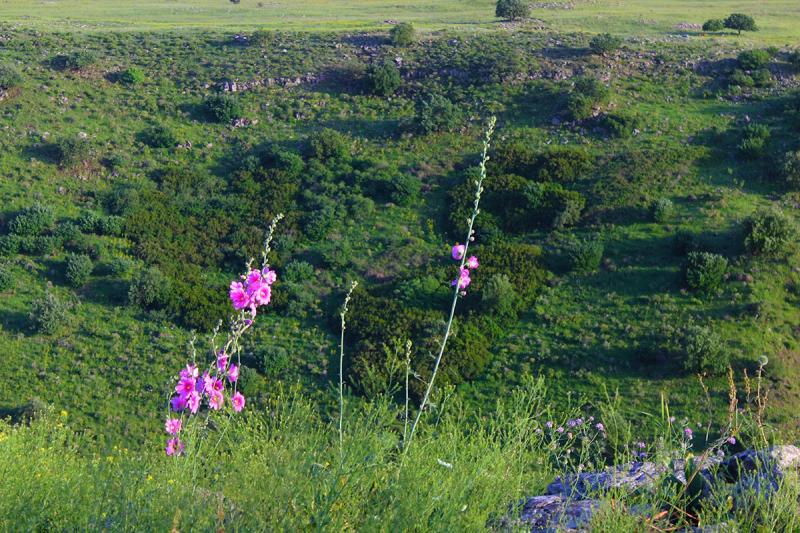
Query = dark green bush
x=6 y=278
x=790 y=169
x=514 y=157
x=551 y=205
x=703 y=351
x=298 y=272
x=9 y=245
x=740 y=22
x=753 y=59
x=111 y=225
x=754 y=141
x=150 y=289
x=768 y=232
x=705 y=272
x=619 y=125
x=132 y=76
x=564 y=164
x=584 y=255
x=45 y=245
x=158 y=136
x=762 y=77
x=402 y=34
x=70 y=151
x=223 y=108
x=522 y=263
x=48 y=314
x=329 y=145
x=714 y=25
x=9 y=77
x=120 y=265
x=661 y=210
x=587 y=94
x=437 y=113
x=74 y=61
x=604 y=43
x=68 y=234
x=89 y=221
x=77 y=269
x=740 y=78
x=499 y=296
x=34 y=220
x=512 y=9
x=384 y=78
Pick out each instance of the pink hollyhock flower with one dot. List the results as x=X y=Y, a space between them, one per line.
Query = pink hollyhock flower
x=237 y=400
x=253 y=277
x=458 y=251
x=193 y=401
x=222 y=361
x=238 y=295
x=207 y=383
x=233 y=373
x=472 y=263
x=178 y=403
x=185 y=386
x=189 y=372
x=174 y=447
x=262 y=295
x=269 y=276
x=463 y=280
x=218 y=385
x=216 y=401
x=173 y=426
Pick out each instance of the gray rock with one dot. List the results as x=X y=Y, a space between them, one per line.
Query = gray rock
x=556 y=513
x=776 y=460
x=629 y=476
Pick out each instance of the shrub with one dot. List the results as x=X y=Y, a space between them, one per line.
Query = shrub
x=740 y=78
x=6 y=278
x=77 y=269
x=587 y=93
x=790 y=169
x=70 y=151
x=703 y=351
x=111 y=225
x=437 y=113
x=298 y=272
x=754 y=141
x=132 y=76
x=740 y=22
x=620 y=125
x=512 y=9
x=661 y=210
x=158 y=136
x=403 y=189
x=48 y=314
x=605 y=43
x=584 y=255
x=762 y=77
x=714 y=25
x=590 y=87
x=150 y=289
x=9 y=245
x=74 y=61
x=328 y=145
x=768 y=232
x=45 y=245
x=753 y=59
x=704 y=272
x=498 y=296
x=34 y=220
x=9 y=77
x=384 y=79
x=120 y=265
x=550 y=205
x=89 y=222
x=223 y=107
x=563 y=164
x=402 y=34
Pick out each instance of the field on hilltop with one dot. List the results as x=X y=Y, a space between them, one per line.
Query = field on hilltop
x=642 y=18
x=634 y=292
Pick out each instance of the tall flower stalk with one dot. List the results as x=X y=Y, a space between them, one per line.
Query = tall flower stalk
x=460 y=283
x=343 y=316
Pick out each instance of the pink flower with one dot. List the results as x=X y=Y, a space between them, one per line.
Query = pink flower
x=178 y=403
x=207 y=383
x=472 y=263
x=237 y=400
x=253 y=277
x=173 y=426
x=189 y=372
x=238 y=295
x=458 y=251
x=463 y=279
x=233 y=373
x=269 y=276
x=216 y=401
x=218 y=385
x=262 y=295
x=222 y=361
x=174 y=447
x=193 y=401
x=185 y=386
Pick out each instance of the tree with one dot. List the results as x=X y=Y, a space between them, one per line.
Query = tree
x=402 y=34
x=740 y=22
x=512 y=9
x=384 y=79
x=713 y=25
x=604 y=43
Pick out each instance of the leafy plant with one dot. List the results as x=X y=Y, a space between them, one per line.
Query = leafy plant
x=34 y=220
x=584 y=255
x=754 y=141
x=223 y=107
x=553 y=206
x=705 y=272
x=605 y=43
x=402 y=34
x=6 y=278
x=703 y=350
x=132 y=76
x=661 y=210
x=76 y=60
x=790 y=169
x=437 y=113
x=48 y=314
x=9 y=77
x=740 y=22
x=714 y=25
x=71 y=151
x=512 y=9
x=768 y=232
x=753 y=59
x=77 y=269
x=328 y=145
x=150 y=289
x=158 y=136
x=384 y=78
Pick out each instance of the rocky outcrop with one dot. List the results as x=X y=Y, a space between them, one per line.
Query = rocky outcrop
x=283 y=81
